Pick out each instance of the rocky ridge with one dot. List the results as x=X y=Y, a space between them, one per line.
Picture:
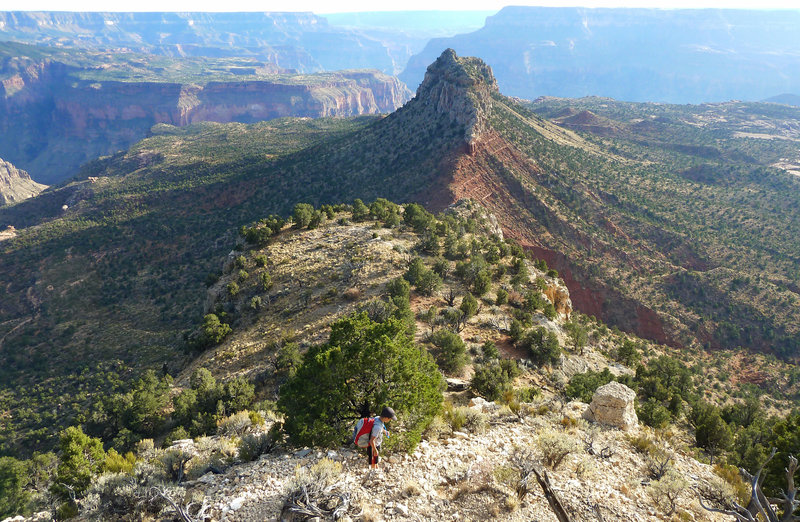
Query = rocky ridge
x=16 y=184
x=456 y=477
x=460 y=88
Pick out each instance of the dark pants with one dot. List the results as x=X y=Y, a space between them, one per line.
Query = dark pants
x=370 y=458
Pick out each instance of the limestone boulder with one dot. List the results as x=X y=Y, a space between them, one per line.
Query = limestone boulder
x=613 y=405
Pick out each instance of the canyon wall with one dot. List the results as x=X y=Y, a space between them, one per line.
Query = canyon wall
x=51 y=121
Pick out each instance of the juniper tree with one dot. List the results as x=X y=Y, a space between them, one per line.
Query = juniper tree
x=363 y=366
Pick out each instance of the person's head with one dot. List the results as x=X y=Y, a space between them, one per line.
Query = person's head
x=387 y=414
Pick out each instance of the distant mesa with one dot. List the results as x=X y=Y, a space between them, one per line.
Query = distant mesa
x=59 y=110
x=680 y=56
x=785 y=99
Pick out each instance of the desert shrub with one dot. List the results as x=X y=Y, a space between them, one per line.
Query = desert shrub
x=452 y=351
x=256 y=418
x=240 y=262
x=117 y=463
x=363 y=366
x=302 y=215
x=494 y=378
x=719 y=493
x=542 y=345
x=733 y=478
x=360 y=211
x=82 y=458
x=629 y=353
x=265 y=281
x=174 y=463
x=501 y=297
x=232 y=289
x=14 y=494
x=437 y=427
x=288 y=358
x=475 y=421
x=398 y=287
x=583 y=385
x=642 y=443
x=253 y=445
x=255 y=303
x=455 y=416
x=665 y=491
x=260 y=260
x=653 y=413
x=658 y=464
x=323 y=473
x=490 y=351
x=555 y=446
x=119 y=495
x=234 y=425
x=214 y=454
x=428 y=282
x=469 y=305
x=242 y=275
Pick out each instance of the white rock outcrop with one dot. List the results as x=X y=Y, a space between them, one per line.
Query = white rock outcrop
x=613 y=404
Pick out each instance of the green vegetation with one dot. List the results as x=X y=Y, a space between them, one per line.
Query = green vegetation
x=364 y=366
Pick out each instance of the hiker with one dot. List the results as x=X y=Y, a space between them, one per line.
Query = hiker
x=368 y=433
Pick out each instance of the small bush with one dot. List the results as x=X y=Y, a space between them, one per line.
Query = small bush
x=643 y=444
x=665 y=492
x=542 y=345
x=501 y=298
x=260 y=260
x=117 y=463
x=265 y=281
x=236 y=424
x=555 y=446
x=492 y=379
x=490 y=351
x=453 y=353
x=438 y=427
x=253 y=445
x=398 y=287
x=323 y=473
x=174 y=462
x=455 y=417
x=583 y=385
x=475 y=421
x=653 y=413
x=730 y=474
x=352 y=294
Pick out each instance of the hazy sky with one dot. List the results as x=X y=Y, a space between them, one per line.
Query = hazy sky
x=320 y=6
